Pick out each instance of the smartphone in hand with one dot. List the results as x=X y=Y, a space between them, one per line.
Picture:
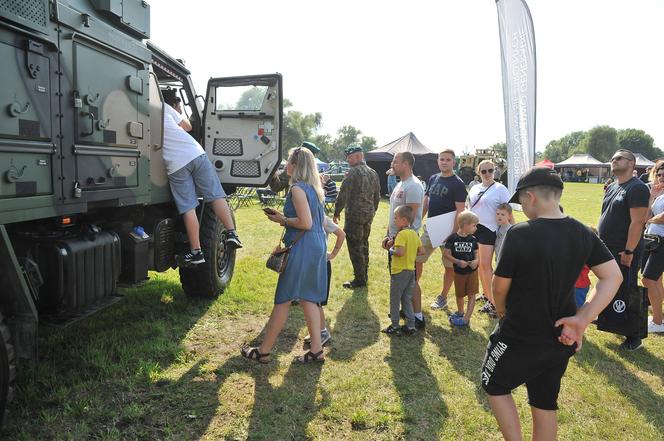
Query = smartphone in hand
x=268 y=210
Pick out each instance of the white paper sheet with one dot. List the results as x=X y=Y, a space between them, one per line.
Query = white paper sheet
x=440 y=227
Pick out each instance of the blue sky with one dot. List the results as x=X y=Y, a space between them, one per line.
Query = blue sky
x=433 y=68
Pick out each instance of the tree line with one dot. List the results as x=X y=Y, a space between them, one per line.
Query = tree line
x=601 y=142
x=300 y=127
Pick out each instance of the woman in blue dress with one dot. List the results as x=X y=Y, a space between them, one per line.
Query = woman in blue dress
x=305 y=276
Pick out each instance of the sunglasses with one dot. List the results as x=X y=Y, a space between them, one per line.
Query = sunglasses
x=486 y=170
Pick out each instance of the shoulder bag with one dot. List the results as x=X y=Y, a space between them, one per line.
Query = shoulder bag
x=279 y=258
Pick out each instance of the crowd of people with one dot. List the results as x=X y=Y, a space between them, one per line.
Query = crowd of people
x=540 y=289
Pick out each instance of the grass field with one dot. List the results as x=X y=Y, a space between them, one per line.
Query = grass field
x=161 y=366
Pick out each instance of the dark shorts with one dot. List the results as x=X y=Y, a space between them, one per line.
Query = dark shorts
x=329 y=276
x=540 y=367
x=485 y=236
x=653 y=263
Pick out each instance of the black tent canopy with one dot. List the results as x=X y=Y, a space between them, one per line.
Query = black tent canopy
x=426 y=160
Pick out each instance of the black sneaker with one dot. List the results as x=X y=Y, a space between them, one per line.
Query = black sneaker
x=391 y=330
x=352 y=284
x=631 y=344
x=232 y=240
x=419 y=324
x=405 y=330
x=193 y=257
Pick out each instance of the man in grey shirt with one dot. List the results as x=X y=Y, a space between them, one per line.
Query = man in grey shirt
x=411 y=193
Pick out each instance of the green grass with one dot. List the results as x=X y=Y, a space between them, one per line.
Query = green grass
x=161 y=366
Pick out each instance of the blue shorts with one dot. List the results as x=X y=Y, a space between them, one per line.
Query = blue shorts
x=196 y=178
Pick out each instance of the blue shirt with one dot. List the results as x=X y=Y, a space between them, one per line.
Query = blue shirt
x=443 y=194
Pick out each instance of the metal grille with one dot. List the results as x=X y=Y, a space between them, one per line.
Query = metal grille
x=31 y=10
x=246 y=169
x=227 y=147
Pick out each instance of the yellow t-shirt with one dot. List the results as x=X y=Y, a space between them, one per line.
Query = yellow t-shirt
x=408 y=239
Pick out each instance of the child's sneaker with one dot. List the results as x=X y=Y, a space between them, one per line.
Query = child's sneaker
x=487 y=308
x=458 y=321
x=482 y=298
x=420 y=324
x=456 y=314
x=391 y=330
x=325 y=338
x=193 y=257
x=439 y=302
x=405 y=330
x=231 y=239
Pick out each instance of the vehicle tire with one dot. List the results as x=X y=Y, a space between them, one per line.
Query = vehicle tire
x=208 y=280
x=7 y=369
x=466 y=174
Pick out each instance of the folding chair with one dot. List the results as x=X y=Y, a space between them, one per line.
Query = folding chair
x=266 y=197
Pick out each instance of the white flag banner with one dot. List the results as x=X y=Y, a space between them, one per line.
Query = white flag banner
x=517 y=48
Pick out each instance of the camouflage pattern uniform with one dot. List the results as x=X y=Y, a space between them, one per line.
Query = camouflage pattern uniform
x=359 y=194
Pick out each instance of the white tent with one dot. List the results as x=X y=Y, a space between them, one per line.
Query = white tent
x=582 y=167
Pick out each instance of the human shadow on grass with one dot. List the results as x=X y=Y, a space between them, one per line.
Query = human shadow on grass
x=423 y=408
x=356 y=326
x=648 y=403
x=464 y=348
x=90 y=361
x=283 y=411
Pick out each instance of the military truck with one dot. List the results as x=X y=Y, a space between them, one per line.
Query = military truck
x=85 y=203
x=467 y=164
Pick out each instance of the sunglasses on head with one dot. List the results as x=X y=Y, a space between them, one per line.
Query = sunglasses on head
x=486 y=170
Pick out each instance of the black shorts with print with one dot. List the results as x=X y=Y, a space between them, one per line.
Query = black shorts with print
x=509 y=364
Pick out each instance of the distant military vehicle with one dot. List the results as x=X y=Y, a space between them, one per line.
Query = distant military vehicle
x=467 y=163
x=84 y=197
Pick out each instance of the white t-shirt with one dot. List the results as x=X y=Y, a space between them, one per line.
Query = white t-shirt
x=486 y=207
x=409 y=191
x=657 y=208
x=179 y=147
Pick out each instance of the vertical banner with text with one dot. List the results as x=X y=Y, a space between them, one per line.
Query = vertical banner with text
x=517 y=48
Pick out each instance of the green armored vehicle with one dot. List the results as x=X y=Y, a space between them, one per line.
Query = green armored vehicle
x=84 y=196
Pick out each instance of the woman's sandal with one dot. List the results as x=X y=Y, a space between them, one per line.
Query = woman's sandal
x=310 y=357
x=252 y=354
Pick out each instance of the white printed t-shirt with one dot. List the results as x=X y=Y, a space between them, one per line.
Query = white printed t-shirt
x=486 y=207
x=406 y=192
x=179 y=147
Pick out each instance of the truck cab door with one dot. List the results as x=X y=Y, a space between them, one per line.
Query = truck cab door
x=242 y=126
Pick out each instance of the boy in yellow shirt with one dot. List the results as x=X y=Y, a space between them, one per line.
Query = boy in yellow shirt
x=407 y=246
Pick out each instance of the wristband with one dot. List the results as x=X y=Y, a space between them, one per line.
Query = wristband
x=628 y=252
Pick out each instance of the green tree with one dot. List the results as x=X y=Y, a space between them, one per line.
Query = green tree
x=500 y=148
x=639 y=141
x=560 y=149
x=299 y=127
x=368 y=143
x=251 y=99
x=600 y=142
x=347 y=135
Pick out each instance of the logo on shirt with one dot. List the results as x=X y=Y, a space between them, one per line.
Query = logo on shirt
x=619 y=306
x=463 y=247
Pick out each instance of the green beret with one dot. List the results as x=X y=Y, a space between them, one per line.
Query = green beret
x=313 y=148
x=353 y=148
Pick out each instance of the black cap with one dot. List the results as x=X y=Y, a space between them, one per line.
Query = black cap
x=536 y=176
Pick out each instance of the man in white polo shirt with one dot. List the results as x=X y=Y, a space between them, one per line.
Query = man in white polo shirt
x=190 y=172
x=409 y=191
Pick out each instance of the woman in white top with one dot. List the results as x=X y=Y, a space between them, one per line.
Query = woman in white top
x=483 y=200
x=653 y=258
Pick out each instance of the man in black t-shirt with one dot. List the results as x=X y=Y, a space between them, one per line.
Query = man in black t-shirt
x=621 y=223
x=533 y=288
x=445 y=192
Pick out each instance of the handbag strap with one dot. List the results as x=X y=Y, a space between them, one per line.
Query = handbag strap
x=298 y=237
x=482 y=194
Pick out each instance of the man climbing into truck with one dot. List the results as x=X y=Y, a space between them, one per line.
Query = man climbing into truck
x=190 y=173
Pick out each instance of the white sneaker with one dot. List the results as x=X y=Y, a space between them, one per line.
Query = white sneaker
x=654 y=328
x=440 y=302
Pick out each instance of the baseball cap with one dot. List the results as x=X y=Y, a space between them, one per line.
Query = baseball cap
x=536 y=176
x=353 y=148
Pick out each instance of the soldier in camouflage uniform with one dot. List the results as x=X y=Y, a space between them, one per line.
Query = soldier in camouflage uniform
x=359 y=194
x=281 y=181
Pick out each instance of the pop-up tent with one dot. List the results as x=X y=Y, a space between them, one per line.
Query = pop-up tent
x=426 y=160
x=582 y=167
x=545 y=163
